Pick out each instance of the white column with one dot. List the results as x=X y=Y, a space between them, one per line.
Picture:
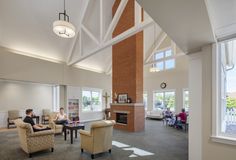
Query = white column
x=195 y=110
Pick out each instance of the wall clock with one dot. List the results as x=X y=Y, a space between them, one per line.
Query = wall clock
x=163 y=85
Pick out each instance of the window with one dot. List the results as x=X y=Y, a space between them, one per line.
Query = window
x=224 y=91
x=165 y=61
x=165 y=99
x=145 y=99
x=56 y=98
x=186 y=100
x=91 y=100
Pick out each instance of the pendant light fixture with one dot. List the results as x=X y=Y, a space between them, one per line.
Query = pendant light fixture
x=63 y=27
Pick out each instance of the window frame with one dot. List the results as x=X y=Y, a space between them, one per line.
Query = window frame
x=217 y=135
x=91 y=90
x=164 y=59
x=162 y=91
x=56 y=98
x=185 y=89
x=145 y=107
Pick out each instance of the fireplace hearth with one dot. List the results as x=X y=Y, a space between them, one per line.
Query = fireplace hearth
x=121 y=118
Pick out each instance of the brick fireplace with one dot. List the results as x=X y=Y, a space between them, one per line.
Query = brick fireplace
x=129 y=117
x=127 y=71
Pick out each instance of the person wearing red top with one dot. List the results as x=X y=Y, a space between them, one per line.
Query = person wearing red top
x=181 y=118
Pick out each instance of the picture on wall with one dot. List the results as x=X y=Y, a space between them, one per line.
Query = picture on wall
x=122 y=98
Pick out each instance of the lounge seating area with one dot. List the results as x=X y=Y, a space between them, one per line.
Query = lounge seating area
x=117 y=80
x=98 y=140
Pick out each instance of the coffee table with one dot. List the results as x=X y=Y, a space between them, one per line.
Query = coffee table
x=71 y=128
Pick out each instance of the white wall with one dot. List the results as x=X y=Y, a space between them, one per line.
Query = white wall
x=22 y=68
x=201 y=147
x=22 y=95
x=176 y=79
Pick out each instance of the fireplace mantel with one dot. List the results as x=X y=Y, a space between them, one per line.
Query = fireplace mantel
x=128 y=104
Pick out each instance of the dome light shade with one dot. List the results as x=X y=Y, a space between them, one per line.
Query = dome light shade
x=64 y=29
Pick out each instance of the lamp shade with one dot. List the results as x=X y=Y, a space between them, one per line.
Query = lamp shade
x=64 y=29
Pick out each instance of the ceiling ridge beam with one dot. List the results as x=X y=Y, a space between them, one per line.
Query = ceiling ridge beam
x=115 y=19
x=83 y=11
x=157 y=43
x=89 y=33
x=130 y=32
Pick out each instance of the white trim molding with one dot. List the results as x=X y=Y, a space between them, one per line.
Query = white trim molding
x=224 y=140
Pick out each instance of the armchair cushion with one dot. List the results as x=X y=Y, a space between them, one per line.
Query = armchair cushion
x=99 y=139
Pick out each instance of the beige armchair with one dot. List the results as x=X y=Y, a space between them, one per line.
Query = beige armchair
x=31 y=141
x=12 y=115
x=99 y=139
x=56 y=127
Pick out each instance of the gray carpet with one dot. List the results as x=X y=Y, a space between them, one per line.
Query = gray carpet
x=165 y=143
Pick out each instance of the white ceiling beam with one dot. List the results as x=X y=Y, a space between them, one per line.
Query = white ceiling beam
x=73 y=46
x=167 y=58
x=89 y=33
x=83 y=11
x=157 y=43
x=115 y=19
x=173 y=47
x=117 y=39
x=101 y=20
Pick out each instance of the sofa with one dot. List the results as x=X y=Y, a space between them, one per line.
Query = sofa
x=57 y=128
x=99 y=139
x=155 y=114
x=31 y=141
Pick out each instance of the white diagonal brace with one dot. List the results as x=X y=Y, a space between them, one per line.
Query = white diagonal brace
x=115 y=19
x=87 y=31
x=130 y=32
x=83 y=11
x=158 y=42
x=109 y=68
x=173 y=47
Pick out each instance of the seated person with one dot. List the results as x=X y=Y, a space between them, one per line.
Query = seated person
x=181 y=118
x=168 y=115
x=29 y=119
x=61 y=117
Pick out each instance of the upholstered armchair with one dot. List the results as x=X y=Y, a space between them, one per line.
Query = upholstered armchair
x=99 y=139
x=56 y=127
x=12 y=115
x=31 y=141
x=45 y=116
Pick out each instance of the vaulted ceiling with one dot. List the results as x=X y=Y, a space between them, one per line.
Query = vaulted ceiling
x=26 y=28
